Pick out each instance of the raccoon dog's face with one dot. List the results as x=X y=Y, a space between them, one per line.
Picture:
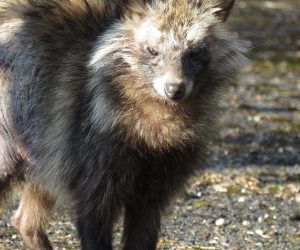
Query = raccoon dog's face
x=173 y=45
x=168 y=49
x=170 y=61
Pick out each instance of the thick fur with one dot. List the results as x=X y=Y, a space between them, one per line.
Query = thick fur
x=31 y=216
x=83 y=118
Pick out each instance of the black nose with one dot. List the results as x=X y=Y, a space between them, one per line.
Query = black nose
x=175 y=91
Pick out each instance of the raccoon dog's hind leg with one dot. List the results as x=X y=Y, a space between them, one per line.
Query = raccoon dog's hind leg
x=6 y=186
x=11 y=172
x=31 y=216
x=34 y=205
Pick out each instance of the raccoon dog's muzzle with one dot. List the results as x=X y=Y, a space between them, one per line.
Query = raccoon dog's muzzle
x=173 y=89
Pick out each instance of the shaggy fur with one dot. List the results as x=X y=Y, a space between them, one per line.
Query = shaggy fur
x=85 y=116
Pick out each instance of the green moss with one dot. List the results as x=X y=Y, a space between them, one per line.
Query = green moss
x=10 y=232
x=201 y=203
x=231 y=190
x=295 y=126
x=233 y=125
x=270 y=222
x=273 y=189
x=165 y=244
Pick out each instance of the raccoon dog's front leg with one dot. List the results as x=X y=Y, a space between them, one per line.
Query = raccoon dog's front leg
x=141 y=227
x=94 y=225
x=34 y=208
x=94 y=232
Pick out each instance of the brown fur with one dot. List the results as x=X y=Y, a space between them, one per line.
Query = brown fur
x=87 y=119
x=31 y=216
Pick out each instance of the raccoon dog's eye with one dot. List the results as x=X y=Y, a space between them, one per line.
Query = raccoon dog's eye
x=152 y=51
x=198 y=57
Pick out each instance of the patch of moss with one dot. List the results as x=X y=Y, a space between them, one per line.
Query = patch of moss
x=165 y=244
x=232 y=190
x=270 y=222
x=233 y=125
x=273 y=189
x=201 y=203
x=9 y=232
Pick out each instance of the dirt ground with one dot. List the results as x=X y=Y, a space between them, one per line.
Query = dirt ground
x=249 y=196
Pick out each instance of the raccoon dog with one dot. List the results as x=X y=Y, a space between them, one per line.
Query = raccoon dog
x=108 y=106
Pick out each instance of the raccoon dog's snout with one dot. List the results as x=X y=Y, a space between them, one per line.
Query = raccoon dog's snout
x=173 y=87
x=175 y=91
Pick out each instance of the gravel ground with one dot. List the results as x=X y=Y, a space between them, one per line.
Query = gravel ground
x=249 y=197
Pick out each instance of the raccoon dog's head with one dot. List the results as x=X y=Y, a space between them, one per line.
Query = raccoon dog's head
x=164 y=61
x=174 y=44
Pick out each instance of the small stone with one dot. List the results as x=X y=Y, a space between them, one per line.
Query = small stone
x=259 y=244
x=242 y=199
x=257 y=118
x=219 y=188
x=246 y=223
x=259 y=232
x=213 y=242
x=224 y=244
x=297 y=198
x=198 y=194
x=260 y=219
x=220 y=222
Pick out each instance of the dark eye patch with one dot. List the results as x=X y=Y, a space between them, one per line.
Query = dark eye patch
x=197 y=57
x=195 y=60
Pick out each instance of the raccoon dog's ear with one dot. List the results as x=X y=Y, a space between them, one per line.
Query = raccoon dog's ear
x=221 y=8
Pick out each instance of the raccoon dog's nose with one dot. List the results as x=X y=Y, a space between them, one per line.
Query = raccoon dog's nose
x=175 y=91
